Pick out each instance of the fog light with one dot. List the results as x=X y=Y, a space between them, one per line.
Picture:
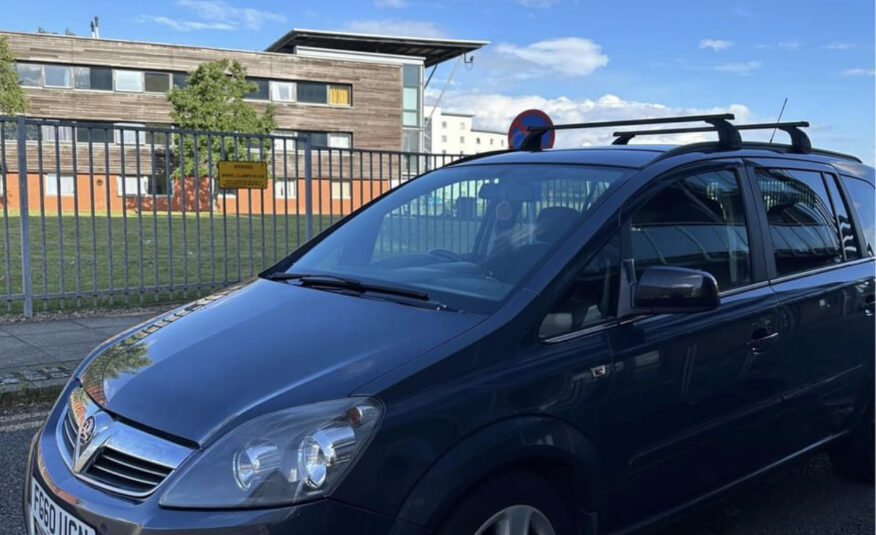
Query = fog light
x=255 y=461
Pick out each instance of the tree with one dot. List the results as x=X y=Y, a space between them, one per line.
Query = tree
x=13 y=101
x=213 y=100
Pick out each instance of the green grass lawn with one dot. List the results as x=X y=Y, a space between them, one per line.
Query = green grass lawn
x=85 y=254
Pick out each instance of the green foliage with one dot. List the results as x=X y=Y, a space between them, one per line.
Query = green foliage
x=213 y=100
x=13 y=101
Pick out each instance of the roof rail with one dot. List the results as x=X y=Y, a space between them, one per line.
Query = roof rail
x=799 y=140
x=728 y=136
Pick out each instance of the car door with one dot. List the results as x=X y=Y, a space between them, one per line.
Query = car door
x=823 y=279
x=697 y=397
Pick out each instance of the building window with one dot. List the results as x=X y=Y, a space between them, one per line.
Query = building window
x=330 y=140
x=411 y=95
x=341 y=190
x=157 y=82
x=129 y=81
x=94 y=134
x=94 y=78
x=312 y=93
x=339 y=95
x=58 y=76
x=477 y=141
x=502 y=142
x=443 y=124
x=57 y=133
x=444 y=139
x=286 y=189
x=125 y=133
x=135 y=186
x=491 y=141
x=283 y=91
x=261 y=90
x=462 y=139
x=53 y=184
x=461 y=125
x=340 y=141
x=180 y=79
x=29 y=74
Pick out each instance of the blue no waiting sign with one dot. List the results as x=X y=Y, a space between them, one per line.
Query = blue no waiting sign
x=523 y=122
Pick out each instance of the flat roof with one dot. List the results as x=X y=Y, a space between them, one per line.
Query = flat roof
x=433 y=50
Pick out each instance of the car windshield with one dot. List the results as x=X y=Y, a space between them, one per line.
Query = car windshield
x=465 y=235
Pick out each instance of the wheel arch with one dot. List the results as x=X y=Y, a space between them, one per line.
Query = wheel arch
x=543 y=445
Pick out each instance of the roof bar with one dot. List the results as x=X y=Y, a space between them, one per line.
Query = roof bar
x=727 y=134
x=799 y=140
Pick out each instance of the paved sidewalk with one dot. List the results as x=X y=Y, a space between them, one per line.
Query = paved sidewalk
x=39 y=356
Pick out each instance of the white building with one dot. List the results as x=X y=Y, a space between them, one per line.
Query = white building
x=452 y=133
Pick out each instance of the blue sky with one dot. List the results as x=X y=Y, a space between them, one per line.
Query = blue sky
x=577 y=59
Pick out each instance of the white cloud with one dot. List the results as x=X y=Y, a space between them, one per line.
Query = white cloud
x=215 y=15
x=538 y=3
x=495 y=111
x=574 y=56
x=391 y=4
x=790 y=45
x=406 y=28
x=184 y=25
x=859 y=72
x=839 y=45
x=217 y=10
x=716 y=44
x=741 y=68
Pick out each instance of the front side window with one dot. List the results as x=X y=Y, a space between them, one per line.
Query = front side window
x=802 y=227
x=129 y=81
x=58 y=76
x=861 y=196
x=467 y=235
x=697 y=222
x=590 y=299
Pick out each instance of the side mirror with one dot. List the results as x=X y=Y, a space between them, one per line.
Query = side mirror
x=675 y=290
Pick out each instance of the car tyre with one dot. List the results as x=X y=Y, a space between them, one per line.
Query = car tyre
x=854 y=456
x=517 y=503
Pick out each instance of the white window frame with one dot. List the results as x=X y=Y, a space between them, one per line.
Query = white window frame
x=280 y=186
x=116 y=73
x=341 y=190
x=274 y=87
x=50 y=183
x=131 y=187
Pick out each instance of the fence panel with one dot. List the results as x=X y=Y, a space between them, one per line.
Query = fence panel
x=126 y=214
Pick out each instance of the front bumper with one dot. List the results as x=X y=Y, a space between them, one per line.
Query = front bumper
x=109 y=514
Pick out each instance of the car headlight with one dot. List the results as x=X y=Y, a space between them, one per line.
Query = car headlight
x=278 y=458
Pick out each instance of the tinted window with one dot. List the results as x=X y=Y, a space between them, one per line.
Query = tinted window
x=802 y=225
x=261 y=90
x=94 y=134
x=313 y=93
x=846 y=230
x=180 y=79
x=97 y=78
x=861 y=195
x=157 y=82
x=699 y=223
x=590 y=299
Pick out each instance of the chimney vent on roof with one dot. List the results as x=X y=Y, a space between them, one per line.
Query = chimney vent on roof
x=95 y=28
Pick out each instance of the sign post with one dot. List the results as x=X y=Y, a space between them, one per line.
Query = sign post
x=523 y=122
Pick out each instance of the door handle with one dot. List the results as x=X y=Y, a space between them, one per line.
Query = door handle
x=761 y=341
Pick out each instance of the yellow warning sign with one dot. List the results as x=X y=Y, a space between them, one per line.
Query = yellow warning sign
x=243 y=175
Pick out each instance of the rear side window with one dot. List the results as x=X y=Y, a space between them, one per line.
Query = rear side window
x=843 y=221
x=861 y=196
x=801 y=221
x=697 y=222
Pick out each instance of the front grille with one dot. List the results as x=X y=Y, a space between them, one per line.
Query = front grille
x=126 y=472
x=128 y=461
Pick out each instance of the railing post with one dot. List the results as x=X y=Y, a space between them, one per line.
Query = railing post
x=24 y=214
x=308 y=184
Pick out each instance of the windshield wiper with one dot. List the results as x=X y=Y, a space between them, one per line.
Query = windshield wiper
x=333 y=281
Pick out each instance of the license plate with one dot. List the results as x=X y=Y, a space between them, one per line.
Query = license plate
x=48 y=518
